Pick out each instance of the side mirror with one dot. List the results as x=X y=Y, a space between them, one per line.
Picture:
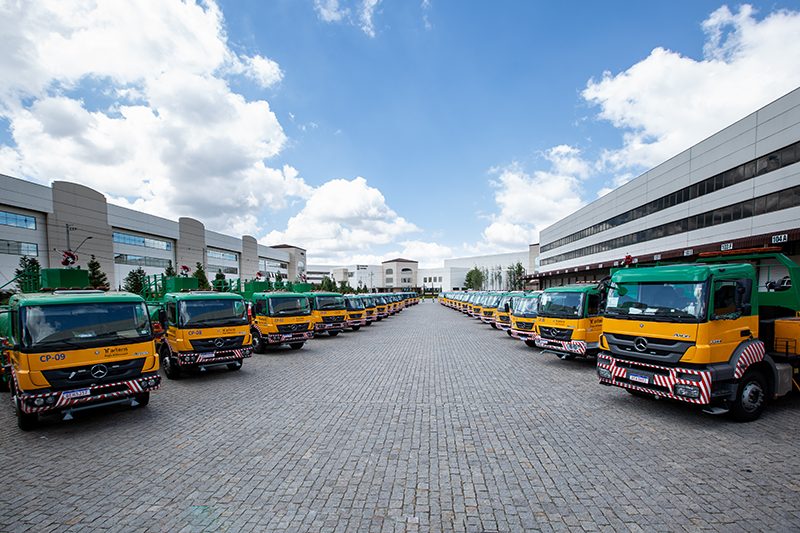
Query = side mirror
x=507 y=308
x=162 y=318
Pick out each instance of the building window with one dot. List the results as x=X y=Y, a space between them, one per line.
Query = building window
x=16 y=220
x=761 y=205
x=389 y=280
x=389 y=271
x=141 y=260
x=213 y=269
x=228 y=256
x=29 y=249
x=137 y=240
x=768 y=163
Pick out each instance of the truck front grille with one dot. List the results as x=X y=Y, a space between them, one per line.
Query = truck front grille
x=557 y=334
x=81 y=376
x=291 y=328
x=217 y=343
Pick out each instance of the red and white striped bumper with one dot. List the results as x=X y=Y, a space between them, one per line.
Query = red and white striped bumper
x=325 y=326
x=576 y=347
x=280 y=338
x=210 y=358
x=357 y=322
x=654 y=379
x=95 y=394
x=523 y=335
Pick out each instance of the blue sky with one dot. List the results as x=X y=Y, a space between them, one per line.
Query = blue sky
x=362 y=129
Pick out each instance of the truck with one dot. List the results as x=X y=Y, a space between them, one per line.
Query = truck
x=202 y=329
x=370 y=308
x=524 y=311
x=328 y=311
x=722 y=333
x=66 y=349
x=570 y=320
x=280 y=318
x=356 y=312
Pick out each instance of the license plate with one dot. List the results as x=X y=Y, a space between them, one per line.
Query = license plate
x=638 y=378
x=287 y=337
x=76 y=393
x=206 y=355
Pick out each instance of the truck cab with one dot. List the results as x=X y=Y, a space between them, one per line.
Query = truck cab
x=329 y=312
x=488 y=309
x=722 y=333
x=356 y=312
x=502 y=317
x=71 y=350
x=203 y=329
x=570 y=320
x=381 y=306
x=370 y=309
x=524 y=311
x=280 y=318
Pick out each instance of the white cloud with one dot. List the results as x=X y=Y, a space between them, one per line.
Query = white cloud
x=329 y=10
x=429 y=254
x=175 y=141
x=667 y=102
x=342 y=219
x=361 y=13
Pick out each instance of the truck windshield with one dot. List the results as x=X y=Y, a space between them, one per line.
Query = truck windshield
x=197 y=313
x=526 y=307
x=491 y=301
x=354 y=304
x=561 y=304
x=289 y=306
x=71 y=326
x=668 y=302
x=325 y=303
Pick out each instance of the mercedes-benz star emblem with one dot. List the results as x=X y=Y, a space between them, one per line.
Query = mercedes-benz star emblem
x=219 y=343
x=99 y=371
x=640 y=343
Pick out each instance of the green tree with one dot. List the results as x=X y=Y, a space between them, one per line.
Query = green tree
x=170 y=270
x=515 y=277
x=135 y=280
x=327 y=284
x=344 y=287
x=28 y=273
x=97 y=278
x=200 y=274
x=474 y=279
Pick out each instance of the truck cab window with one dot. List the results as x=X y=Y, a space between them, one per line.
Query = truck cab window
x=593 y=305
x=171 y=314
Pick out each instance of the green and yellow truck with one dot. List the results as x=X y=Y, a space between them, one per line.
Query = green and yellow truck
x=570 y=320
x=68 y=350
x=722 y=333
x=202 y=329
x=328 y=311
x=280 y=318
x=524 y=310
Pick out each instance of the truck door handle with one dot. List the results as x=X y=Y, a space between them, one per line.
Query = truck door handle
x=745 y=333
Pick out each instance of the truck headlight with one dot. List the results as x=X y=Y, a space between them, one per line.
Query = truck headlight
x=51 y=400
x=604 y=373
x=687 y=391
x=38 y=402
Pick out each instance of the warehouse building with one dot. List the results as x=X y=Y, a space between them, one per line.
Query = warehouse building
x=42 y=222
x=739 y=188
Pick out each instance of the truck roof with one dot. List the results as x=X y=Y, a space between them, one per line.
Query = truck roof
x=687 y=273
x=268 y=295
x=202 y=295
x=313 y=294
x=581 y=287
x=73 y=297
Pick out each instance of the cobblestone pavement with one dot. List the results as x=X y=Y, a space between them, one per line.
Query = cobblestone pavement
x=428 y=421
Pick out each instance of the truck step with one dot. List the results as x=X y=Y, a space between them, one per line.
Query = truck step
x=715 y=410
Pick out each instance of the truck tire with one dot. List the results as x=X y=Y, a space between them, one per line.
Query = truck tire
x=143 y=399
x=333 y=333
x=171 y=368
x=4 y=383
x=493 y=325
x=530 y=343
x=751 y=397
x=25 y=421
x=508 y=332
x=356 y=328
x=258 y=341
x=235 y=366
x=296 y=345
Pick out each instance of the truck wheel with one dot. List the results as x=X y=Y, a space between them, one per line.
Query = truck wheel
x=25 y=421
x=143 y=399
x=258 y=341
x=356 y=328
x=751 y=397
x=4 y=383
x=508 y=332
x=296 y=345
x=530 y=343
x=235 y=366
x=171 y=368
x=493 y=325
x=333 y=333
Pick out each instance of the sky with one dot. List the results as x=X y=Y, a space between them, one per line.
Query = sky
x=363 y=130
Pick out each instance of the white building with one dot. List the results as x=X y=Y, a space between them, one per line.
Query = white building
x=739 y=188
x=438 y=279
x=41 y=222
x=495 y=267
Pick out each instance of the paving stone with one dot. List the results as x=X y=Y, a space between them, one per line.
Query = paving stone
x=427 y=421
